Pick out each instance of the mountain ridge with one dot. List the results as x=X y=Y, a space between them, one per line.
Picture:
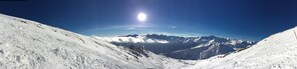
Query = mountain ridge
x=172 y=46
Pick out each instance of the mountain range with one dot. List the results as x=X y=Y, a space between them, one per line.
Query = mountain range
x=189 y=48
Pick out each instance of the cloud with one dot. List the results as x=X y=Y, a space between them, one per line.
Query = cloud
x=129 y=27
x=136 y=27
x=171 y=26
x=131 y=40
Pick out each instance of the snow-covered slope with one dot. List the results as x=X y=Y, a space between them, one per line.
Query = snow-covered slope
x=181 y=47
x=26 y=44
x=278 y=51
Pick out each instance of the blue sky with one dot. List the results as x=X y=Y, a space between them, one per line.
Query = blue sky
x=240 y=19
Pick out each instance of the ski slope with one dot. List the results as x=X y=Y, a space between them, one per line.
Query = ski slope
x=26 y=44
x=279 y=51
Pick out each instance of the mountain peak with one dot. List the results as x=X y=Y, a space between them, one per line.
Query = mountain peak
x=130 y=35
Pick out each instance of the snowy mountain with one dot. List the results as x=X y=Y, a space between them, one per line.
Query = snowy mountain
x=26 y=44
x=181 y=47
x=279 y=51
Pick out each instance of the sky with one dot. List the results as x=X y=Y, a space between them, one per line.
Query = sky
x=238 y=19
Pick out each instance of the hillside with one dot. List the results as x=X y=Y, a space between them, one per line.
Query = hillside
x=26 y=44
x=279 y=51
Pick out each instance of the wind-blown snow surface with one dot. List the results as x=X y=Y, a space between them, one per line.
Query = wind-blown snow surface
x=278 y=51
x=189 y=48
x=26 y=44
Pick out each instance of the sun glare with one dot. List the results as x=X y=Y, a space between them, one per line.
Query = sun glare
x=141 y=17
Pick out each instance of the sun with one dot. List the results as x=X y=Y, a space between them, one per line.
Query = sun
x=142 y=17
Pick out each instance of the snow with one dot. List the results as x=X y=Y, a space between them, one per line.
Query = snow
x=275 y=52
x=26 y=44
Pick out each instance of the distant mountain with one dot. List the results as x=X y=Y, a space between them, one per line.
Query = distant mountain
x=181 y=47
